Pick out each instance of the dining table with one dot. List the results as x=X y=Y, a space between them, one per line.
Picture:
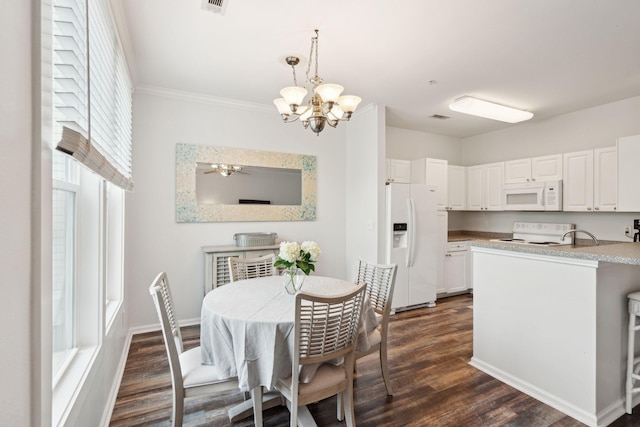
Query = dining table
x=247 y=330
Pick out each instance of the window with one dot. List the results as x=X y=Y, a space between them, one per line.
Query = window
x=91 y=171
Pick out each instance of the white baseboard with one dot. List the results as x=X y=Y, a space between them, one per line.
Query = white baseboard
x=541 y=395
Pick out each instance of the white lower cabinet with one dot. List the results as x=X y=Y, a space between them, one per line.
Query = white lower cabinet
x=216 y=261
x=456 y=275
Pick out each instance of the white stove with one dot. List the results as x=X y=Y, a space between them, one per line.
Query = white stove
x=539 y=234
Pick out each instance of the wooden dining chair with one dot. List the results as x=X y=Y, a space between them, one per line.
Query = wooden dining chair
x=249 y=268
x=325 y=330
x=189 y=376
x=380 y=280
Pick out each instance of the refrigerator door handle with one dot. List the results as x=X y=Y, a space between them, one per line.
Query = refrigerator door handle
x=411 y=236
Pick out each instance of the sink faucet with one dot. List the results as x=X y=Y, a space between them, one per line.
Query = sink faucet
x=581 y=231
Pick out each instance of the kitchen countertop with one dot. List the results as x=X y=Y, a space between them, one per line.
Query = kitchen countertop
x=608 y=251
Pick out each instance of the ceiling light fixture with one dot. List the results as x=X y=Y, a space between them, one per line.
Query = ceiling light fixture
x=325 y=106
x=489 y=110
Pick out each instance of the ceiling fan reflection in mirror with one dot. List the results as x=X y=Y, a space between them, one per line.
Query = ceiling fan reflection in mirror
x=224 y=169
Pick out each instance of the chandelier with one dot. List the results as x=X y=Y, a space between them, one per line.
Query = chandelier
x=325 y=106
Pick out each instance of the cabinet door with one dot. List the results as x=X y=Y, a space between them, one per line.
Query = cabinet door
x=474 y=188
x=546 y=168
x=577 y=175
x=456 y=271
x=399 y=171
x=443 y=223
x=516 y=171
x=493 y=186
x=605 y=179
x=436 y=174
x=628 y=174
x=457 y=187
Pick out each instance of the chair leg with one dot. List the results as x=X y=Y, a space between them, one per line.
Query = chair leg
x=294 y=414
x=178 y=409
x=630 y=359
x=256 y=396
x=385 y=368
x=340 y=407
x=348 y=405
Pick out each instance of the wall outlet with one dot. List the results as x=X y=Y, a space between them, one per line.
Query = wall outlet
x=627 y=230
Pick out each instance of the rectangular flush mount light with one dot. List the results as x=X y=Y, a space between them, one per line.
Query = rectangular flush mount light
x=489 y=110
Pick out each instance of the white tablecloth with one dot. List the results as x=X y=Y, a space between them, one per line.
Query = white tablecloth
x=247 y=327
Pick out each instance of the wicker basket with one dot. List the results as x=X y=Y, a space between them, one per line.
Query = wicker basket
x=255 y=239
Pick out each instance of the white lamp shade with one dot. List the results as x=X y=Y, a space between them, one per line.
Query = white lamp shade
x=282 y=106
x=489 y=110
x=337 y=112
x=293 y=95
x=329 y=92
x=349 y=103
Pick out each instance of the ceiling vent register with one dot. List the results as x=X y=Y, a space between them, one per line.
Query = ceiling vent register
x=215 y=6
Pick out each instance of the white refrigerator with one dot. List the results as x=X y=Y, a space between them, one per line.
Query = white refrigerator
x=412 y=243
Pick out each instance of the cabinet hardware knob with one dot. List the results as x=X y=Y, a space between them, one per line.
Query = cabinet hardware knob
x=589 y=208
x=597 y=208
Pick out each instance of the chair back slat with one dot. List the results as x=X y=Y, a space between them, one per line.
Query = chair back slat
x=161 y=294
x=380 y=280
x=326 y=327
x=249 y=268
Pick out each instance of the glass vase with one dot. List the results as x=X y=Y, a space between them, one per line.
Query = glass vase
x=292 y=280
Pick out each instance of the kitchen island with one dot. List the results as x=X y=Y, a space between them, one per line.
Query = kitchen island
x=552 y=322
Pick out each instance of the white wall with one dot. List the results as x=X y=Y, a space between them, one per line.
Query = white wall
x=365 y=171
x=591 y=128
x=20 y=370
x=155 y=242
x=407 y=144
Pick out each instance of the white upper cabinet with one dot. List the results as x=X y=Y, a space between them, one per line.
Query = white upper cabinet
x=628 y=174
x=432 y=172
x=457 y=188
x=545 y=168
x=590 y=180
x=516 y=171
x=399 y=171
x=605 y=179
x=484 y=187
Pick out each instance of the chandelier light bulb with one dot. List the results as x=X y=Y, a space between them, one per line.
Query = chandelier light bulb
x=349 y=103
x=293 y=95
x=282 y=106
x=329 y=92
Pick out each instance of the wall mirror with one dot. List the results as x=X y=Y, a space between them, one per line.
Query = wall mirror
x=223 y=184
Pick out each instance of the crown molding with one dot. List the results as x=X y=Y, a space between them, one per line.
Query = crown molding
x=203 y=99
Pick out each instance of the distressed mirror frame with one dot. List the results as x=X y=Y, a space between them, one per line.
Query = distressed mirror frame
x=188 y=210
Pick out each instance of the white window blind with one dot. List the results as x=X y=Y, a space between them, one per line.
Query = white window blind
x=70 y=66
x=104 y=145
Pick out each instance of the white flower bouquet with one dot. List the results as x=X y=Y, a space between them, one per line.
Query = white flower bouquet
x=293 y=255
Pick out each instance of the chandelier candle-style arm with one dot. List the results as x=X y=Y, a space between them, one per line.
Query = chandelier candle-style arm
x=325 y=106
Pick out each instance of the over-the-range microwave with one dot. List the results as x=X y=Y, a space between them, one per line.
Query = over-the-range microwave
x=533 y=196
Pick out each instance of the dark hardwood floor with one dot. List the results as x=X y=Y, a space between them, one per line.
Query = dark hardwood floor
x=433 y=383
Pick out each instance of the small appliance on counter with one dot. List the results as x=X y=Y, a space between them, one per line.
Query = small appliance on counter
x=539 y=234
x=636 y=227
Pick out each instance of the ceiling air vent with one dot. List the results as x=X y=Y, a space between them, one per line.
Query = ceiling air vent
x=215 y=6
x=439 y=117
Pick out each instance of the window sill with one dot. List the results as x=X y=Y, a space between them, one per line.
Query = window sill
x=69 y=385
